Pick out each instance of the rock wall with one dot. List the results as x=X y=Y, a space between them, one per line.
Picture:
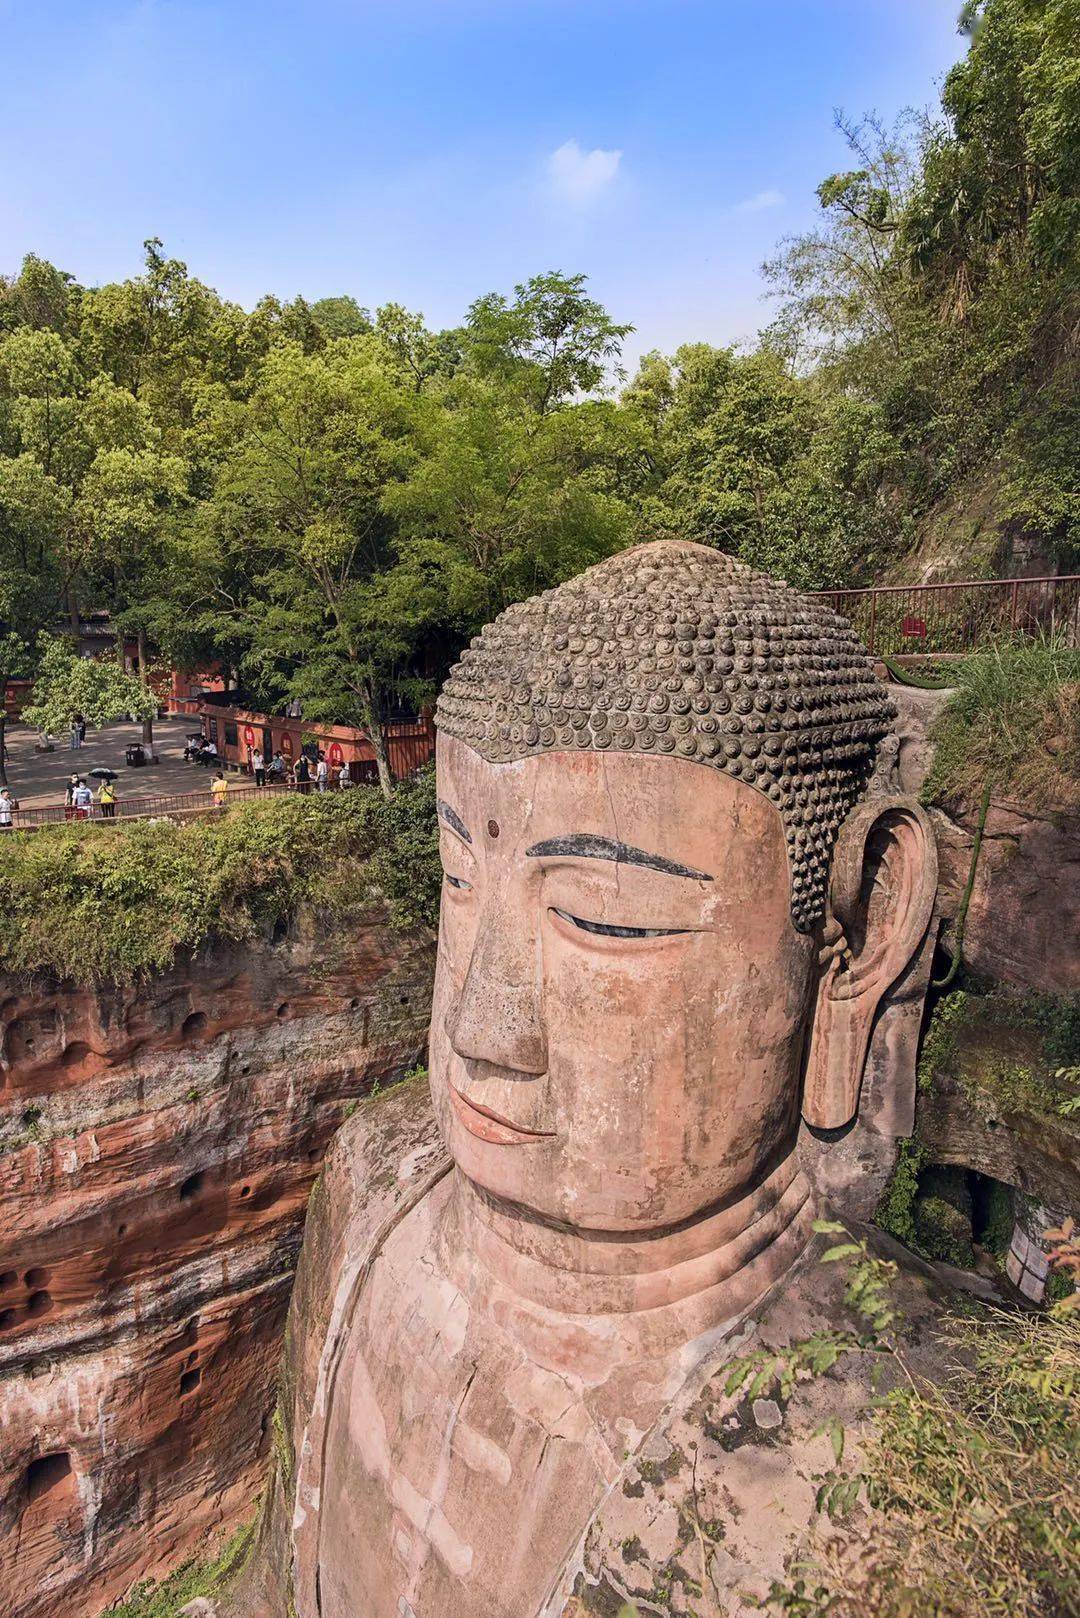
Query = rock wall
x=157 y=1148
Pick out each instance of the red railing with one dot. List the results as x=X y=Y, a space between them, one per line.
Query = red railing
x=959 y=617
x=152 y=806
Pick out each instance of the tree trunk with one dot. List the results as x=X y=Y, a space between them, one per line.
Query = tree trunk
x=3 y=737
x=144 y=676
x=374 y=727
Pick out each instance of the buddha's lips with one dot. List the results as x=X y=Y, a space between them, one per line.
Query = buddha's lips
x=488 y=1125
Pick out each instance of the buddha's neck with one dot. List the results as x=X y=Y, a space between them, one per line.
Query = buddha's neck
x=700 y=1274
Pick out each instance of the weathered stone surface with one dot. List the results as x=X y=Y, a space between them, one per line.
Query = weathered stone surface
x=161 y=1143
x=629 y=974
x=1024 y=917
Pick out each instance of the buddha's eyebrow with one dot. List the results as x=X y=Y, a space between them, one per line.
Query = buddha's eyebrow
x=585 y=845
x=453 y=819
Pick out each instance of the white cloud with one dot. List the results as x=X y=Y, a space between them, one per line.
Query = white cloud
x=579 y=177
x=760 y=201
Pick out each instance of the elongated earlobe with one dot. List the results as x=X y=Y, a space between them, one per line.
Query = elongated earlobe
x=881 y=896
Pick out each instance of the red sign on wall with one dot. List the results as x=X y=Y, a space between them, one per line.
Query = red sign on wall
x=914 y=628
x=334 y=755
x=249 y=736
x=286 y=744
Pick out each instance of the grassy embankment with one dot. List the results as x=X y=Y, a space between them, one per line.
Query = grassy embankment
x=115 y=908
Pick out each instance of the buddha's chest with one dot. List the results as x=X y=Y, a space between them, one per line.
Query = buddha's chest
x=458 y=1474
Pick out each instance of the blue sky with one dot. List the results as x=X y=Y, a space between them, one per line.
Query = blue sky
x=430 y=150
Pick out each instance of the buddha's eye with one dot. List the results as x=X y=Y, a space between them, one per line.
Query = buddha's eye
x=608 y=930
x=458 y=882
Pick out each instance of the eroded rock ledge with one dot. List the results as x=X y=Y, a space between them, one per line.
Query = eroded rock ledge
x=157 y=1148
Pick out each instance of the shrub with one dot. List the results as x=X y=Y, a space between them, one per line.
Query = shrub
x=91 y=907
x=1014 y=719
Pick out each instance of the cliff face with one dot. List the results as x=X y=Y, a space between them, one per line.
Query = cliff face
x=157 y=1148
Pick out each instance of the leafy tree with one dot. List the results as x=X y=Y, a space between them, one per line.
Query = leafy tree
x=68 y=685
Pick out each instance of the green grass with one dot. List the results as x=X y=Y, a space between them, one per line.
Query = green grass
x=197 y=1577
x=93 y=908
x=1014 y=719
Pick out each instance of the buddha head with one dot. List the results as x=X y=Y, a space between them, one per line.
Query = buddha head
x=672 y=902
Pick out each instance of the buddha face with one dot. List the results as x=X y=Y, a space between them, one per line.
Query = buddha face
x=621 y=998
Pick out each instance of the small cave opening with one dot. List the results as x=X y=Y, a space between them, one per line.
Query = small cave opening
x=354 y=1003
x=189 y=1381
x=8 y=1279
x=121 y=1230
x=279 y=931
x=245 y=1191
x=47 y=1473
x=36 y=1277
x=75 y=1053
x=39 y=1304
x=8 y=1319
x=193 y=1027
x=192 y=1186
x=283 y=1010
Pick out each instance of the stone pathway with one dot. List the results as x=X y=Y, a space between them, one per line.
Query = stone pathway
x=37 y=780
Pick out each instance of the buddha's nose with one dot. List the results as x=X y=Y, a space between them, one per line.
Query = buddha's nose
x=499 y=1018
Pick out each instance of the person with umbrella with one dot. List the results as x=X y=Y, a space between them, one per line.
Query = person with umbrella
x=107 y=799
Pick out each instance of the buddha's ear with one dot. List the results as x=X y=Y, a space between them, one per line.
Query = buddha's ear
x=881 y=896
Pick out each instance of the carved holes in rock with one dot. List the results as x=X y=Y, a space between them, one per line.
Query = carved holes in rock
x=48 y=1474
x=192 y=1186
x=121 y=1230
x=283 y=1010
x=36 y=1278
x=193 y=1027
x=189 y=1381
x=8 y=1319
x=39 y=1304
x=8 y=1279
x=245 y=1191
x=354 y=1003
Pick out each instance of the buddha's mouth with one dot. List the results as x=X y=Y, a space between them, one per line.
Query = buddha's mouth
x=490 y=1126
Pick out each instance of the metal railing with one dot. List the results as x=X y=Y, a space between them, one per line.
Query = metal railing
x=153 y=806
x=961 y=617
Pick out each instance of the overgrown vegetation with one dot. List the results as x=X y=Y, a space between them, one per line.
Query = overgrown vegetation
x=1013 y=719
x=965 y=1502
x=1017 y=1051
x=207 y=1577
x=970 y=1488
x=92 y=908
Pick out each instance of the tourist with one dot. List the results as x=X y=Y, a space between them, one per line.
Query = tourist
x=302 y=775
x=258 y=766
x=107 y=799
x=69 y=796
x=81 y=722
x=82 y=800
x=8 y=806
x=344 y=778
x=219 y=787
x=277 y=769
x=322 y=773
x=76 y=734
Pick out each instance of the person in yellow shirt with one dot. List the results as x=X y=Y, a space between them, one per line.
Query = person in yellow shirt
x=219 y=786
x=107 y=799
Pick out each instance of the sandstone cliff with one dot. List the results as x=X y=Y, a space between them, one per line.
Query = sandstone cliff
x=157 y=1148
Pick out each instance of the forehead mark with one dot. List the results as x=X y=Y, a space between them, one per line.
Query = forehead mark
x=453 y=819
x=586 y=845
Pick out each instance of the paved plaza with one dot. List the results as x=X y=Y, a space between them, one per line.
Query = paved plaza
x=37 y=780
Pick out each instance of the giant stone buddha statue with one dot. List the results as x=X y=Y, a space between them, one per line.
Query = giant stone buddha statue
x=679 y=894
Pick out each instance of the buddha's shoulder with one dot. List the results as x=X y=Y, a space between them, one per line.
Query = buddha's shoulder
x=381 y=1163
x=722 y=1496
